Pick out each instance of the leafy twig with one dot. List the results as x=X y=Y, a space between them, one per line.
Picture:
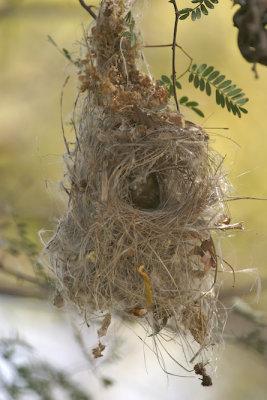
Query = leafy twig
x=193 y=105
x=129 y=19
x=227 y=94
x=200 y=9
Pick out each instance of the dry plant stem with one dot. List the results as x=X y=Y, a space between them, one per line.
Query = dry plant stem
x=173 y=52
x=88 y=8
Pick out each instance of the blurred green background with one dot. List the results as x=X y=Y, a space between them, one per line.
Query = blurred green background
x=31 y=142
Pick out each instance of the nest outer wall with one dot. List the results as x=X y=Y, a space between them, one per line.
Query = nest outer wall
x=144 y=190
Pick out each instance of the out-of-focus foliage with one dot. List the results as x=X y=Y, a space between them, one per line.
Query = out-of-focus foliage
x=22 y=374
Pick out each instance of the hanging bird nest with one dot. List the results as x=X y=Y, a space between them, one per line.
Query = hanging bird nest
x=145 y=192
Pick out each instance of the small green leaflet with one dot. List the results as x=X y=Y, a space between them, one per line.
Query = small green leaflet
x=202 y=8
x=193 y=105
x=65 y=52
x=129 y=19
x=167 y=82
x=227 y=94
x=184 y=101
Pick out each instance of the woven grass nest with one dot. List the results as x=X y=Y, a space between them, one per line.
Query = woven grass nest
x=145 y=192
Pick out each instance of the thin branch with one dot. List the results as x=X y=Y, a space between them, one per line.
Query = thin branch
x=17 y=291
x=181 y=48
x=244 y=198
x=173 y=2
x=169 y=45
x=22 y=276
x=88 y=8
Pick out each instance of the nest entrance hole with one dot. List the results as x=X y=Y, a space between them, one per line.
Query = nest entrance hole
x=145 y=193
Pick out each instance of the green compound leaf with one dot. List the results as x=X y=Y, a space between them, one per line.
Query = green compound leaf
x=192 y=105
x=167 y=82
x=226 y=93
x=199 y=10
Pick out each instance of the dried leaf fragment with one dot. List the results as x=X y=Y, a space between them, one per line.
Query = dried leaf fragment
x=102 y=331
x=58 y=300
x=201 y=370
x=97 y=351
x=207 y=253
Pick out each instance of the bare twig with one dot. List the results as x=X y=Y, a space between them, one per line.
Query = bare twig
x=27 y=292
x=88 y=8
x=169 y=45
x=245 y=198
x=61 y=116
x=173 y=2
x=21 y=275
